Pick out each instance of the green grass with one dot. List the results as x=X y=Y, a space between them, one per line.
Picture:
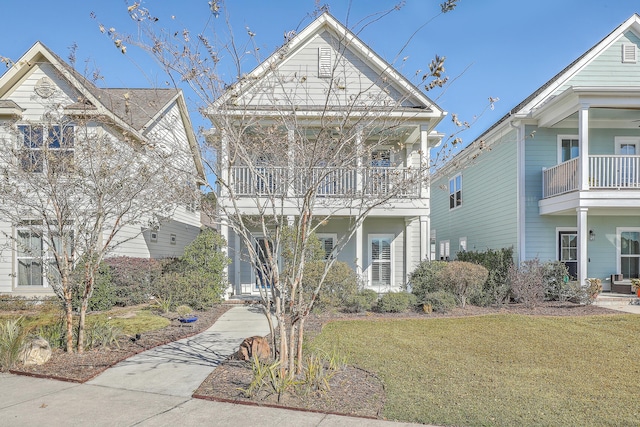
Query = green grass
x=500 y=370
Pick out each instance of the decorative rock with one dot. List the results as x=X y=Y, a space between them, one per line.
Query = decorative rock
x=35 y=352
x=254 y=347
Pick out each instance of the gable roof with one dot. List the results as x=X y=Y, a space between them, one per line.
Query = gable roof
x=326 y=22
x=546 y=92
x=132 y=110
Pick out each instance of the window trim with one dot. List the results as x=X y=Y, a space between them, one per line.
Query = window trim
x=457 y=201
x=559 y=140
x=629 y=53
x=370 y=238
x=619 y=231
x=445 y=250
x=332 y=236
x=462 y=244
x=54 y=135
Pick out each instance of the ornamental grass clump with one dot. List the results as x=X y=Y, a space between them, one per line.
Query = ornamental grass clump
x=12 y=339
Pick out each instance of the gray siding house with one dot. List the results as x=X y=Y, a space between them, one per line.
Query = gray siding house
x=320 y=75
x=558 y=177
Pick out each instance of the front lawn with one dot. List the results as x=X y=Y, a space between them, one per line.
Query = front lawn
x=502 y=370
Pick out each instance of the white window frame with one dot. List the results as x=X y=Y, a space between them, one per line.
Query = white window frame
x=462 y=244
x=153 y=237
x=370 y=239
x=445 y=250
x=559 y=148
x=327 y=236
x=619 y=141
x=619 y=231
x=457 y=202
x=46 y=139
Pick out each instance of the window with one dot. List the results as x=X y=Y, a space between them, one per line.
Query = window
x=462 y=244
x=444 y=250
x=153 y=237
x=455 y=192
x=629 y=247
x=324 y=62
x=264 y=250
x=381 y=262
x=568 y=147
x=29 y=248
x=327 y=241
x=55 y=153
x=568 y=250
x=173 y=239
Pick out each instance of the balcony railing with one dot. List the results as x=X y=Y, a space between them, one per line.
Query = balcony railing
x=605 y=172
x=281 y=181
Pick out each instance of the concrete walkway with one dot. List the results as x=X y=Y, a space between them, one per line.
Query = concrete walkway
x=154 y=389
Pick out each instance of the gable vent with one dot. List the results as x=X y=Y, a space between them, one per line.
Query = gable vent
x=629 y=53
x=324 y=62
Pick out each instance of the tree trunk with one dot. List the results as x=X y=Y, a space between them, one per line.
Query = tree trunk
x=300 y=342
x=68 y=308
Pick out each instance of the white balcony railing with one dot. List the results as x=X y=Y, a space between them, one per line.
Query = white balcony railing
x=280 y=181
x=605 y=172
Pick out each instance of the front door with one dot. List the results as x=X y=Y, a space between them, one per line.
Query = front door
x=263 y=271
x=568 y=251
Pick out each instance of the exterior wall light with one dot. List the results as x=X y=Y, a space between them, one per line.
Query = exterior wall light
x=592 y=235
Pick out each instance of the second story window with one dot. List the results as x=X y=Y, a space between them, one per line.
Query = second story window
x=569 y=148
x=455 y=192
x=46 y=148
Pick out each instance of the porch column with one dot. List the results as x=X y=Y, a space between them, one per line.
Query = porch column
x=583 y=238
x=425 y=158
x=583 y=137
x=425 y=237
x=408 y=253
x=359 y=251
x=236 y=264
x=224 y=232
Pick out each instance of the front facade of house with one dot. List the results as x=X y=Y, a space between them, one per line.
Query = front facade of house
x=27 y=91
x=557 y=178
x=326 y=75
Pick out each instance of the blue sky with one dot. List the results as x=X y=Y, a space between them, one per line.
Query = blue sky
x=503 y=49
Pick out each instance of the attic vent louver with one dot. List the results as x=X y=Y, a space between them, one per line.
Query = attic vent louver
x=629 y=53
x=324 y=62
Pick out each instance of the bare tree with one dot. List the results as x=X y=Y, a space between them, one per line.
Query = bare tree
x=75 y=186
x=289 y=156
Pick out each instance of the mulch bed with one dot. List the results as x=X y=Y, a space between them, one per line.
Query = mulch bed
x=79 y=368
x=352 y=391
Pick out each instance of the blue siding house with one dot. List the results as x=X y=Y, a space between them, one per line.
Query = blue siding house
x=558 y=177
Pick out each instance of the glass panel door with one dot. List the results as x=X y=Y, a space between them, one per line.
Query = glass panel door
x=568 y=251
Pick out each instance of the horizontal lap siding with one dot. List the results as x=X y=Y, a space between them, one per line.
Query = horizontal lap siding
x=488 y=214
x=6 y=258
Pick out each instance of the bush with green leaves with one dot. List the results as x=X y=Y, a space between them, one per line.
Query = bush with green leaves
x=423 y=279
x=463 y=279
x=133 y=278
x=396 y=302
x=340 y=284
x=104 y=292
x=439 y=301
x=364 y=300
x=558 y=287
x=197 y=278
x=496 y=289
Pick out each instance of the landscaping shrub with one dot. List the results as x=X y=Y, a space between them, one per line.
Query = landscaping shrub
x=557 y=284
x=339 y=287
x=462 y=278
x=364 y=300
x=197 y=278
x=439 y=301
x=133 y=278
x=104 y=292
x=12 y=338
x=396 y=302
x=528 y=282
x=423 y=279
x=496 y=289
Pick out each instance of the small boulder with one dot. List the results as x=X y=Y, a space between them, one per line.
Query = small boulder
x=35 y=351
x=254 y=347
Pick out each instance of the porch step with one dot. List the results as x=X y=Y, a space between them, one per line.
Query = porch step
x=616 y=299
x=243 y=299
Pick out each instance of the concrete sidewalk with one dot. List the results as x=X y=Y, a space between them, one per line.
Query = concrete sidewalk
x=154 y=388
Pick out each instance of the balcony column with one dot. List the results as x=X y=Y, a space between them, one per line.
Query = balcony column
x=224 y=165
x=425 y=159
x=583 y=137
x=224 y=232
x=360 y=160
x=583 y=238
x=425 y=237
x=291 y=179
x=359 y=252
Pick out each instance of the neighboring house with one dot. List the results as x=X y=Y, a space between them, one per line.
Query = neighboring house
x=320 y=74
x=558 y=177
x=137 y=114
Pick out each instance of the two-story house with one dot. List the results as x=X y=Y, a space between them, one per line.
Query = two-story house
x=558 y=177
x=39 y=86
x=326 y=118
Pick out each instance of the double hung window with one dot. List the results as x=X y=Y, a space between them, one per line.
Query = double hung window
x=46 y=148
x=381 y=261
x=455 y=191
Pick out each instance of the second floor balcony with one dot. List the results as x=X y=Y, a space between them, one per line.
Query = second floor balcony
x=608 y=172
x=267 y=181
